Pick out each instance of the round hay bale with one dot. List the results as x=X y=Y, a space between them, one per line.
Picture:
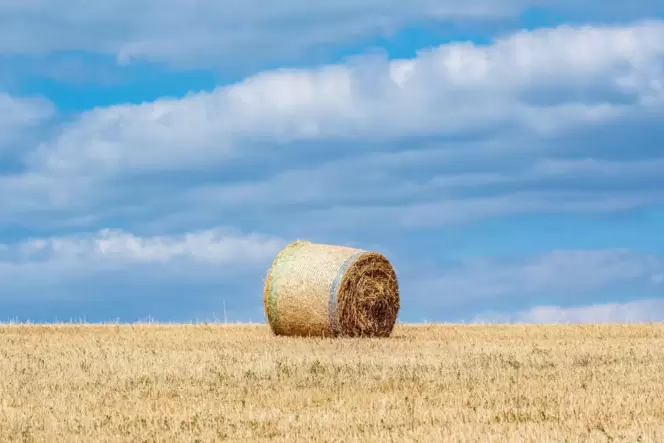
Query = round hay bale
x=325 y=290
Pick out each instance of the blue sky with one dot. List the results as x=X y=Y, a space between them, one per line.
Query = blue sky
x=506 y=156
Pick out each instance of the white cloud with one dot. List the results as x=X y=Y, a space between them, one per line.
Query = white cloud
x=500 y=92
x=638 y=311
x=115 y=273
x=71 y=256
x=563 y=274
x=19 y=114
x=222 y=32
x=455 y=89
x=519 y=203
x=365 y=189
x=251 y=32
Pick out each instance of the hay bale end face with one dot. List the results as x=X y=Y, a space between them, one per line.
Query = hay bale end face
x=326 y=290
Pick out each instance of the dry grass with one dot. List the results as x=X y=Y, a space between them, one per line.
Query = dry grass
x=426 y=383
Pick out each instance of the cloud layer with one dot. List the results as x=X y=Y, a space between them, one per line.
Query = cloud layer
x=639 y=311
x=559 y=274
x=531 y=123
x=85 y=253
x=196 y=33
x=19 y=115
x=252 y=32
x=543 y=81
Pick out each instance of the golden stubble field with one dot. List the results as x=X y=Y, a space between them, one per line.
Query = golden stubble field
x=184 y=383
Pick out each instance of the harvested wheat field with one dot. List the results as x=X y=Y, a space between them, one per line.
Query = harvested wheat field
x=242 y=383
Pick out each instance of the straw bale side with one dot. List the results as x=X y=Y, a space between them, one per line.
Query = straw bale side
x=327 y=290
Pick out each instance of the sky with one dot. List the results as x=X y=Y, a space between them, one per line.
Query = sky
x=506 y=156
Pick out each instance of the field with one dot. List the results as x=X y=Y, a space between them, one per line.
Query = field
x=239 y=383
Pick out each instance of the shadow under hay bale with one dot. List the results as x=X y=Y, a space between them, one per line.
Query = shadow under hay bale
x=326 y=290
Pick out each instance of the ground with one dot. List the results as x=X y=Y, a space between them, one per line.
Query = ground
x=239 y=383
